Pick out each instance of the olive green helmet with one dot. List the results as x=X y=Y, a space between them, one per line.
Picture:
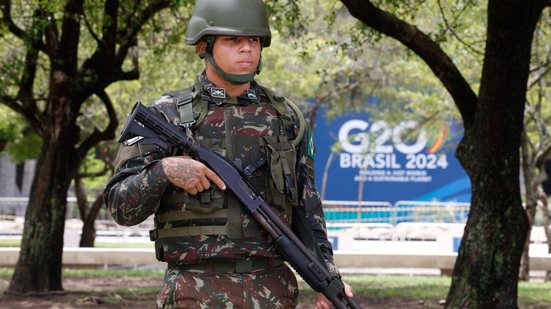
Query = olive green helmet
x=228 y=17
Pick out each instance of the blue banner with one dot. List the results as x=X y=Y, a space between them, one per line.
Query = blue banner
x=358 y=158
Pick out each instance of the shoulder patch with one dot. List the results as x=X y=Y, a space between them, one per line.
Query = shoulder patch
x=311 y=149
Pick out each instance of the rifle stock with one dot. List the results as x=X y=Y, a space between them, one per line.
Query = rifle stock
x=156 y=130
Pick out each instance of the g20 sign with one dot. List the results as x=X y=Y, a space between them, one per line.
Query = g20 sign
x=356 y=146
x=358 y=156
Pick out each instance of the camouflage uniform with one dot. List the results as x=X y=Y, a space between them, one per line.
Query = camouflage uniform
x=216 y=252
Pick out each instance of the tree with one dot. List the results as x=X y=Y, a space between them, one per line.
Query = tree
x=486 y=270
x=536 y=139
x=98 y=165
x=53 y=73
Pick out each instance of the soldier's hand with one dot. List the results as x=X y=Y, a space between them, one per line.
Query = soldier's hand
x=323 y=303
x=189 y=174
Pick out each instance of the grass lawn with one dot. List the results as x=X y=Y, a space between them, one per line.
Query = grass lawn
x=132 y=288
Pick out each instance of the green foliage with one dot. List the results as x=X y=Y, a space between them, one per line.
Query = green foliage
x=25 y=147
x=12 y=64
x=51 y=6
x=339 y=64
x=95 y=171
x=538 y=108
x=9 y=128
x=21 y=144
x=287 y=17
x=166 y=63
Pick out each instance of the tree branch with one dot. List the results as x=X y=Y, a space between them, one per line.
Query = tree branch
x=543 y=69
x=107 y=134
x=110 y=26
x=126 y=37
x=106 y=155
x=70 y=34
x=5 y=7
x=449 y=27
x=545 y=154
x=33 y=118
x=90 y=29
x=134 y=25
x=80 y=193
x=421 y=44
x=26 y=82
x=25 y=101
x=102 y=62
x=129 y=75
x=51 y=34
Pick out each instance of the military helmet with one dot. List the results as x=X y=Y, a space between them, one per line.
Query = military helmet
x=228 y=17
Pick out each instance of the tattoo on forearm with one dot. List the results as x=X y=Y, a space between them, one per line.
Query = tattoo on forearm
x=183 y=173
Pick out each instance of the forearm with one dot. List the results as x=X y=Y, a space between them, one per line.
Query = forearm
x=134 y=194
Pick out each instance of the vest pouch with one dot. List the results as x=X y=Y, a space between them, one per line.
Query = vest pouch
x=282 y=185
x=206 y=202
x=212 y=199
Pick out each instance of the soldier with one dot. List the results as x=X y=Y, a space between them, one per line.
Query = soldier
x=217 y=255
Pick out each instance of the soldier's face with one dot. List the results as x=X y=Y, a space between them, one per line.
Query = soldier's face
x=237 y=54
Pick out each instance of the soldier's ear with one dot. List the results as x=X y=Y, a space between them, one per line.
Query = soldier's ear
x=201 y=49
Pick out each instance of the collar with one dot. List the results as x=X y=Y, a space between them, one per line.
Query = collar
x=219 y=96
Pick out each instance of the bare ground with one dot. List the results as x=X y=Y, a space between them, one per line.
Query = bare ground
x=103 y=293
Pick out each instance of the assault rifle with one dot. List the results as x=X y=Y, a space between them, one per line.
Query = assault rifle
x=154 y=129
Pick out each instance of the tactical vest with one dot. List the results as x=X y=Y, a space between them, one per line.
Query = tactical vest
x=260 y=139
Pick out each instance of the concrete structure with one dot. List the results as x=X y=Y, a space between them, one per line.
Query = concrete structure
x=359 y=260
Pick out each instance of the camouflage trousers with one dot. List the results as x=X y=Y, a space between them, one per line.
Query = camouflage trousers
x=264 y=289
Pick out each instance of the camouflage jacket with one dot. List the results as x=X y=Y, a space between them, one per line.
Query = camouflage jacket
x=139 y=185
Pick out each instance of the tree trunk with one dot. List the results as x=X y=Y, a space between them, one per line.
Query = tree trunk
x=88 y=236
x=39 y=265
x=89 y=213
x=486 y=270
x=52 y=41
x=524 y=271
x=531 y=204
x=38 y=268
x=545 y=222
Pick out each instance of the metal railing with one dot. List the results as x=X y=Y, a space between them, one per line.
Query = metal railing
x=340 y=212
x=368 y=219
x=335 y=211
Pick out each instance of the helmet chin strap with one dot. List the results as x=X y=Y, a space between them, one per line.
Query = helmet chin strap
x=237 y=79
